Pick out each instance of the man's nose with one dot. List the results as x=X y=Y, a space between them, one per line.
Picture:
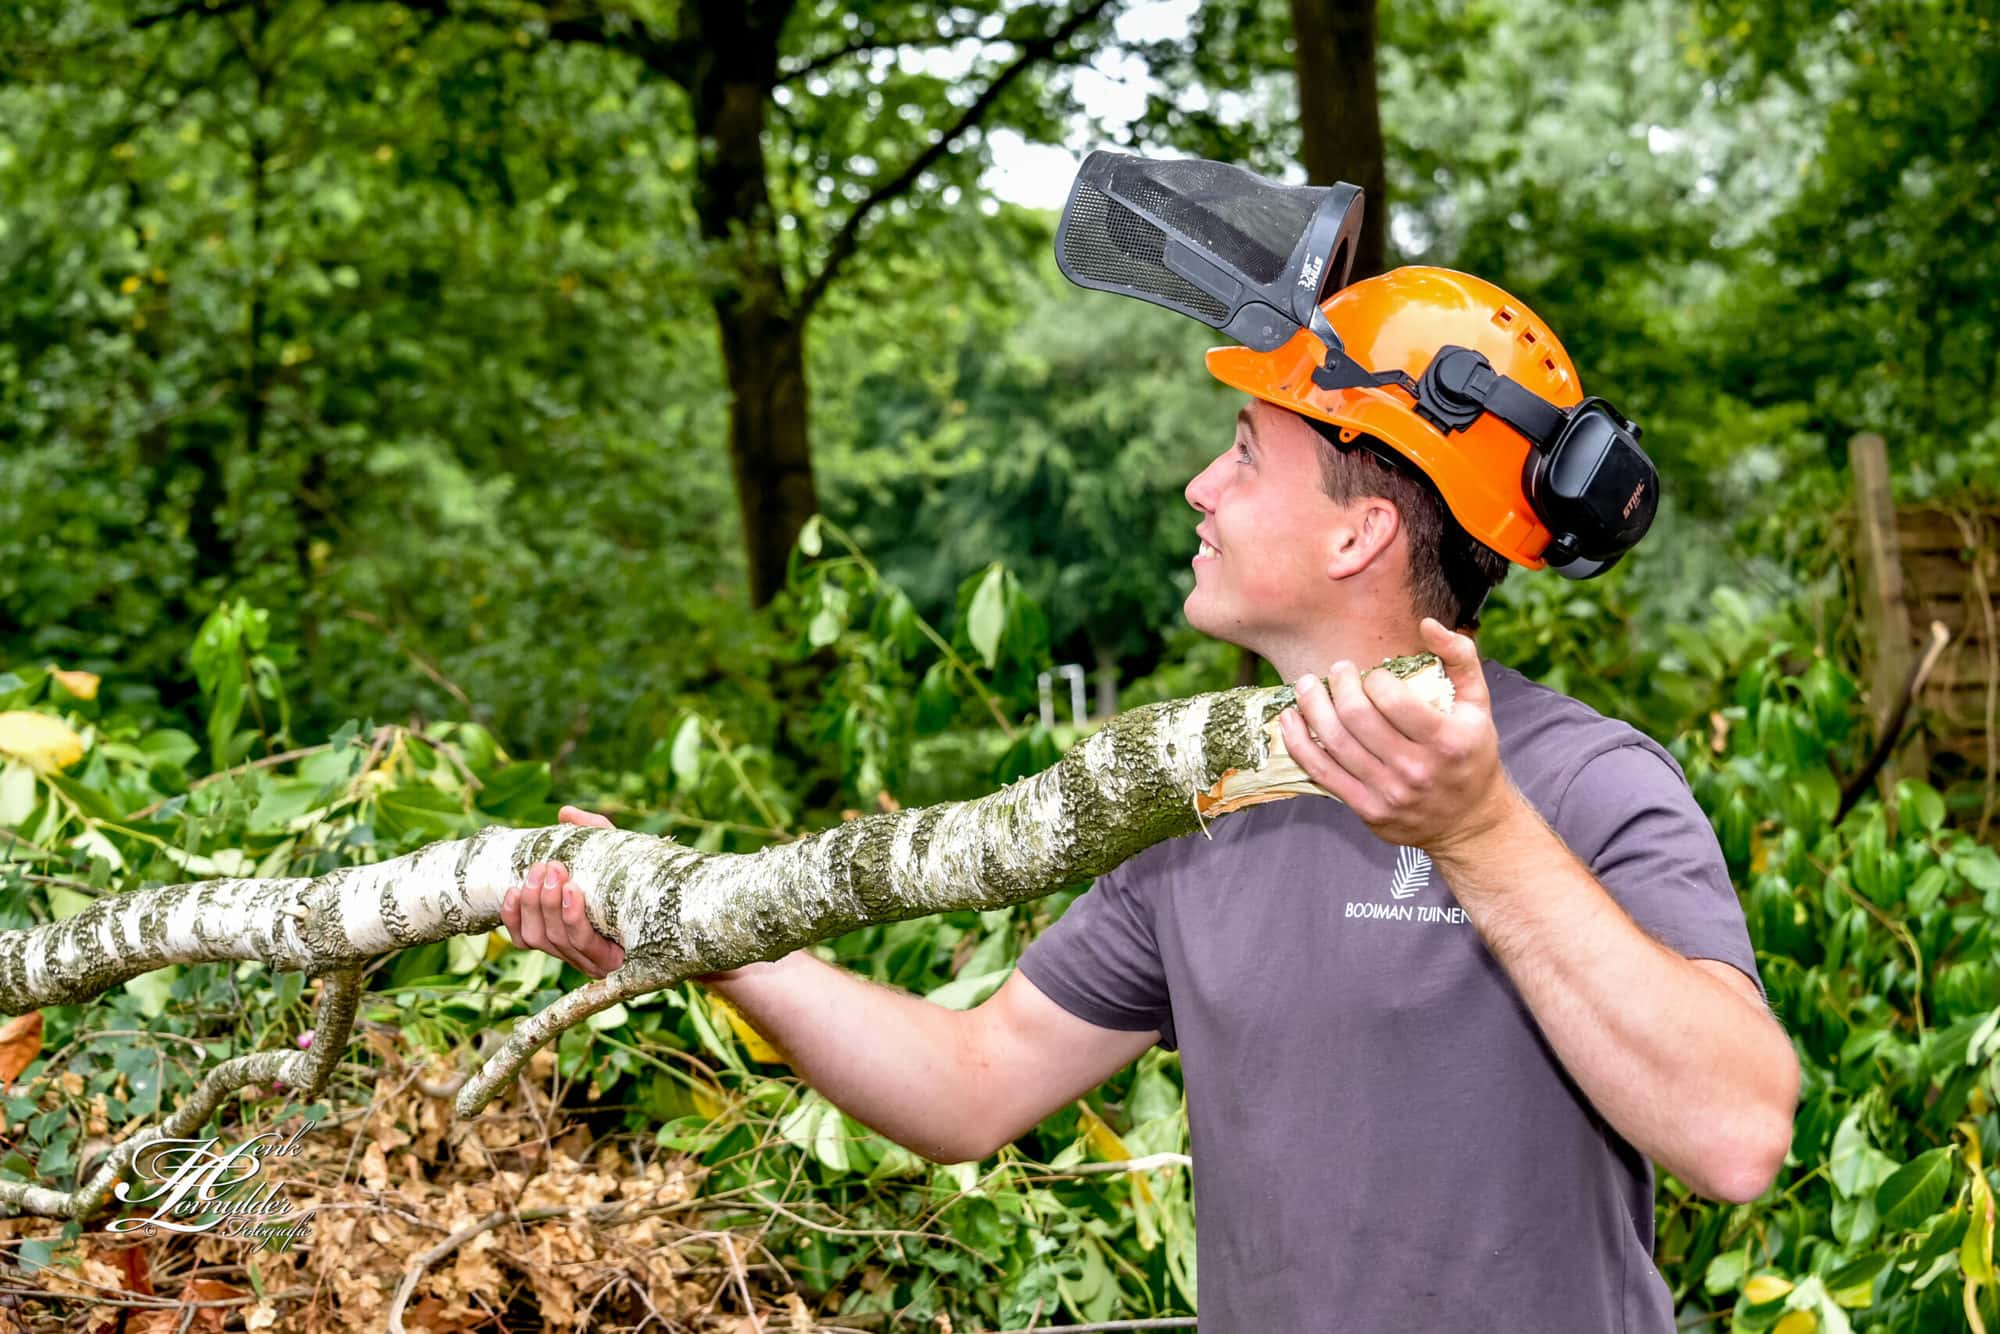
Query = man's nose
x=1200 y=490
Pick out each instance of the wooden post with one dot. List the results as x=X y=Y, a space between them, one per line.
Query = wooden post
x=1885 y=613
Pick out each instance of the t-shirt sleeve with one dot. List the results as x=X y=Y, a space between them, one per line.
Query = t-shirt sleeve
x=1101 y=961
x=1629 y=816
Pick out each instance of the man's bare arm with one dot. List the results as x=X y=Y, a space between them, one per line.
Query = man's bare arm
x=1701 y=1083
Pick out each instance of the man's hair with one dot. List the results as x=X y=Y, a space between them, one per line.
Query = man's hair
x=1450 y=571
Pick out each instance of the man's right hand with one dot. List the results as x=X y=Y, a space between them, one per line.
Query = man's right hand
x=546 y=913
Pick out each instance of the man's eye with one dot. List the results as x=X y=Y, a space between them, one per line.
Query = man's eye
x=1243 y=451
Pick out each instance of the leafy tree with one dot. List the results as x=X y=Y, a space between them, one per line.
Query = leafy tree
x=798 y=169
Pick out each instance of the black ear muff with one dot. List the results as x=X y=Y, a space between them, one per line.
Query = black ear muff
x=1594 y=488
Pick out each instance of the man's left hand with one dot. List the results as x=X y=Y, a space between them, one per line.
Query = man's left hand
x=1415 y=776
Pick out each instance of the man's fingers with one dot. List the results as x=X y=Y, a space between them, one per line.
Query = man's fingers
x=546 y=912
x=581 y=943
x=528 y=912
x=576 y=933
x=577 y=815
x=576 y=925
x=598 y=953
x=545 y=906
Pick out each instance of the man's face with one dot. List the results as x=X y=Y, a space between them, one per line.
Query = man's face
x=1270 y=525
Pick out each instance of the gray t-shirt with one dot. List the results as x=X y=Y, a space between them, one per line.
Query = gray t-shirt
x=1383 y=1139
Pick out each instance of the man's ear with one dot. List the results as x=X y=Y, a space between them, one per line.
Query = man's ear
x=1366 y=530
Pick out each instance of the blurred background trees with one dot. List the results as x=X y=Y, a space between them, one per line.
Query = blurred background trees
x=459 y=338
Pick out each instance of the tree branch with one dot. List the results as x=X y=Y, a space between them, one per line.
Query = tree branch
x=1892 y=730
x=1152 y=773
x=866 y=45
x=847 y=239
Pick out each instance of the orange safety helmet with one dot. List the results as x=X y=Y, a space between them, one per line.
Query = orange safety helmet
x=1398 y=321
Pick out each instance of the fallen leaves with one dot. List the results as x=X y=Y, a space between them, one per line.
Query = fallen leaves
x=589 y=1231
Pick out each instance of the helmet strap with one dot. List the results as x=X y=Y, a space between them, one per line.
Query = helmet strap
x=1457 y=387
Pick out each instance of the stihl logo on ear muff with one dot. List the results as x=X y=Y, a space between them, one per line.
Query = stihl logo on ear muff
x=1458 y=376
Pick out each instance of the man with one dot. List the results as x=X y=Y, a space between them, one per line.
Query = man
x=1431 y=1034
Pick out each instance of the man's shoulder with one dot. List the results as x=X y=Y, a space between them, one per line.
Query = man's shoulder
x=1547 y=737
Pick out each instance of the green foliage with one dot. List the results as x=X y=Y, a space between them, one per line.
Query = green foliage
x=393 y=334
x=1874 y=938
x=1015 y=1237
x=1059 y=444
x=1867 y=297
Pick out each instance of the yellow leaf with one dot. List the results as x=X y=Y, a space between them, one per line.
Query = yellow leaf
x=1103 y=1141
x=81 y=684
x=1797 y=1322
x=708 y=1103
x=1100 y=1138
x=754 y=1042
x=44 y=742
x=1766 y=1288
x=132 y=283
x=1975 y=1254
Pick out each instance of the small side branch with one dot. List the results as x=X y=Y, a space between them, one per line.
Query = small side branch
x=333 y=1025
x=219 y=1083
x=636 y=978
x=309 y=1071
x=1892 y=730
x=848 y=238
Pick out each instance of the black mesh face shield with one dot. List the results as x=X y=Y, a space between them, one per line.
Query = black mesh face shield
x=1235 y=251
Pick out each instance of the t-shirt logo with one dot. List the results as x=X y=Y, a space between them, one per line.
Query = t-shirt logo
x=1411 y=877
x=1413 y=873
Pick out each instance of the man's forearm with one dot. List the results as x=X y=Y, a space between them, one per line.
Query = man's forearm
x=1688 y=1073
x=889 y=1059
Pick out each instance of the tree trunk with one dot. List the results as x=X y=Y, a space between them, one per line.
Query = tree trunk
x=1340 y=112
x=1150 y=774
x=762 y=328
x=770 y=446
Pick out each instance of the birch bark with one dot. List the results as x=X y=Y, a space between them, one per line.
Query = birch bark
x=1150 y=774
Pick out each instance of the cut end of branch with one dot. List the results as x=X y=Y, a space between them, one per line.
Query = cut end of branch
x=1279 y=776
